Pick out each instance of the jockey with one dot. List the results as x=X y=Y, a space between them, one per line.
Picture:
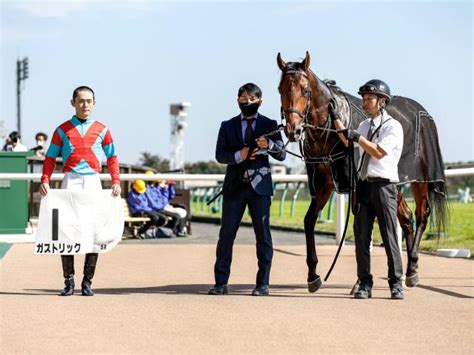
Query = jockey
x=81 y=141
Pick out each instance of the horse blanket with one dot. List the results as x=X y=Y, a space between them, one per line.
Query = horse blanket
x=421 y=159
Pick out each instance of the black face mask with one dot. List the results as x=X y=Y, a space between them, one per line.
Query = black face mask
x=249 y=109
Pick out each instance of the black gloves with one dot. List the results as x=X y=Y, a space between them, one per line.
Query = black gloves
x=351 y=134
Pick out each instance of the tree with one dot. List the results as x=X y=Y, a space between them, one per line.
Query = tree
x=205 y=167
x=154 y=161
x=162 y=165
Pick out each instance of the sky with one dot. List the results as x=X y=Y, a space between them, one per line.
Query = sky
x=140 y=56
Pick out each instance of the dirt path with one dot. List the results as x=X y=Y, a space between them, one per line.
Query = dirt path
x=152 y=299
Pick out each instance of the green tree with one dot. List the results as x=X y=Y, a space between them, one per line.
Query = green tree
x=154 y=161
x=205 y=167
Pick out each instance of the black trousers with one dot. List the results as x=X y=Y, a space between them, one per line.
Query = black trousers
x=377 y=199
x=233 y=209
x=156 y=219
x=177 y=223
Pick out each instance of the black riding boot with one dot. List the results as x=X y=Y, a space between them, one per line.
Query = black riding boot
x=89 y=270
x=68 y=272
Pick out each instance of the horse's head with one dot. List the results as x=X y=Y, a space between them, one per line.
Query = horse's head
x=295 y=92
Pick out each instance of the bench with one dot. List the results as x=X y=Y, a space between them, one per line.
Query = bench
x=133 y=223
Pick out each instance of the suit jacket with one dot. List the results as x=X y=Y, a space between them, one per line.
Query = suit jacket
x=230 y=140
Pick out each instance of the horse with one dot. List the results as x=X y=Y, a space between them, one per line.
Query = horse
x=306 y=104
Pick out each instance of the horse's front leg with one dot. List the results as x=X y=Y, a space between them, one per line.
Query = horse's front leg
x=317 y=204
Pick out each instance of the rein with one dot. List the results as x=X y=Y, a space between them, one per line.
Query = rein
x=352 y=178
x=266 y=135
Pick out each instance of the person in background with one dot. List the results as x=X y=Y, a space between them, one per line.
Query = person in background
x=41 y=139
x=13 y=143
x=140 y=206
x=158 y=194
x=168 y=189
x=7 y=146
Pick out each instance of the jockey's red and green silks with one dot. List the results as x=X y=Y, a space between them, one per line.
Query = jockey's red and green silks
x=81 y=145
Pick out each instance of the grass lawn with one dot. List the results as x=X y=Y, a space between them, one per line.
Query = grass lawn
x=460 y=228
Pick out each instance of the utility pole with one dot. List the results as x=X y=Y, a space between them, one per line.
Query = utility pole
x=22 y=73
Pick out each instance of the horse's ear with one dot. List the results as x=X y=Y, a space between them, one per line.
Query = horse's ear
x=306 y=61
x=281 y=62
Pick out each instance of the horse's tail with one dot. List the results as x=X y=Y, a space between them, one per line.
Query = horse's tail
x=438 y=200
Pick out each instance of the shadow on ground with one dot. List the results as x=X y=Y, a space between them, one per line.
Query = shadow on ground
x=288 y=291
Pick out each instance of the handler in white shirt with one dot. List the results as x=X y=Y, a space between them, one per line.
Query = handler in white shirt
x=380 y=140
x=388 y=138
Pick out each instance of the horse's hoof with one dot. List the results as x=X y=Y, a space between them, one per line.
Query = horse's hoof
x=315 y=285
x=412 y=281
x=355 y=288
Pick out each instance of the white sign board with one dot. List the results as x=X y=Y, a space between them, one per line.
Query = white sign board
x=78 y=222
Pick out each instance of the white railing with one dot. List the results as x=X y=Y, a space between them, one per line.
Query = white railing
x=459 y=172
x=340 y=199
x=146 y=177
x=195 y=177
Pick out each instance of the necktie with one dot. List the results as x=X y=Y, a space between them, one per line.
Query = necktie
x=365 y=162
x=248 y=139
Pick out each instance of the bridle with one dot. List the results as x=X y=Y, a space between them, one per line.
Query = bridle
x=307 y=93
x=304 y=115
x=330 y=157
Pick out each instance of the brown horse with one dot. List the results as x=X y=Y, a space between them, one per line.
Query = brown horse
x=305 y=106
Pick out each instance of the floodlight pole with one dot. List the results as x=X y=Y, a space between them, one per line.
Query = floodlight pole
x=22 y=73
x=179 y=114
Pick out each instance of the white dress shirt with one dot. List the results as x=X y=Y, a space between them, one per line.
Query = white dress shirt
x=390 y=138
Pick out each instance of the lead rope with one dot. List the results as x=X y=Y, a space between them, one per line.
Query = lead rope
x=351 y=186
x=352 y=178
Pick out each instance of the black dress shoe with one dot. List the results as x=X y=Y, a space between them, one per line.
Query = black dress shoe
x=363 y=293
x=397 y=293
x=260 y=291
x=219 y=290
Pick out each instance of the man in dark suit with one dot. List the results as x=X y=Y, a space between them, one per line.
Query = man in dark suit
x=242 y=146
